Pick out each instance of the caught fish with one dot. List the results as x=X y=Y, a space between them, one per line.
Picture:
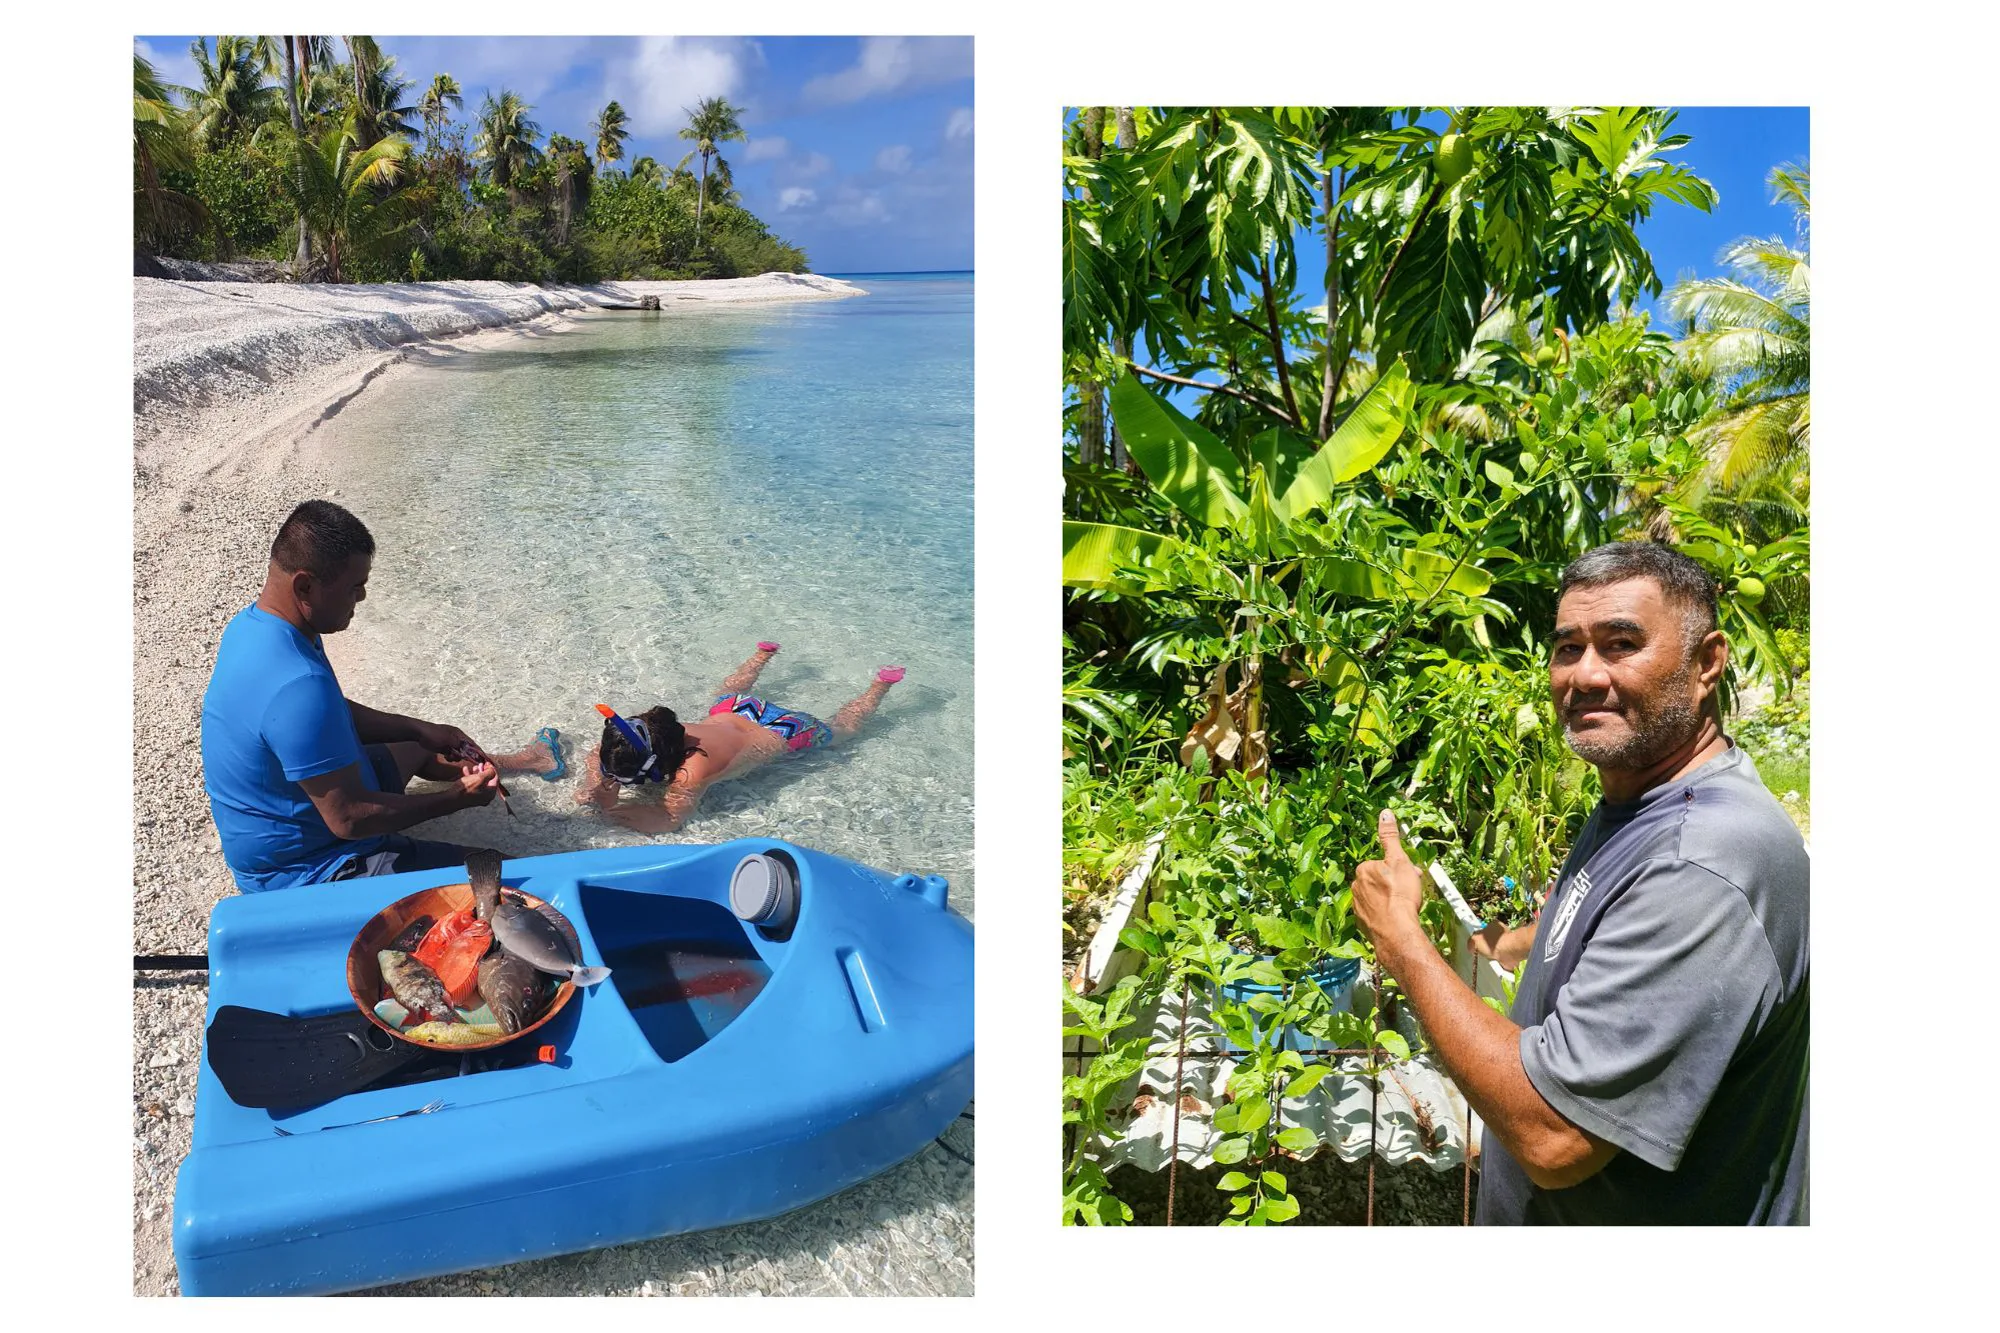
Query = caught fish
x=415 y=986
x=453 y=950
x=413 y=934
x=453 y=1034
x=520 y=929
x=512 y=989
x=472 y=754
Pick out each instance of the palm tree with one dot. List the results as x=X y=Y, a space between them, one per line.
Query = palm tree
x=159 y=142
x=646 y=171
x=303 y=55
x=572 y=182
x=378 y=93
x=436 y=103
x=233 y=98
x=721 y=188
x=340 y=190
x=1751 y=333
x=611 y=133
x=506 y=142
x=711 y=123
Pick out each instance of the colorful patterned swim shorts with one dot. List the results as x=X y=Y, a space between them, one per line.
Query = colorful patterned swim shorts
x=799 y=731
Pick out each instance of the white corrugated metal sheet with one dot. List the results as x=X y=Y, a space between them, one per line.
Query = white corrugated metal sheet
x=1418 y=1114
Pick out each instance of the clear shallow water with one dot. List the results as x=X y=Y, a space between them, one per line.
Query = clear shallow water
x=617 y=512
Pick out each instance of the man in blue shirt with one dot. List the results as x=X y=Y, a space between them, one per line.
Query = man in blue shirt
x=1654 y=1066
x=306 y=786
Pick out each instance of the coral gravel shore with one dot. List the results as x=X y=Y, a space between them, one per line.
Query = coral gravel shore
x=229 y=382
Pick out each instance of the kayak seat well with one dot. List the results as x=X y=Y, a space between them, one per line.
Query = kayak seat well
x=684 y=967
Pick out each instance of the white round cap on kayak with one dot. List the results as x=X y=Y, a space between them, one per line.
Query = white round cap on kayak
x=763 y=892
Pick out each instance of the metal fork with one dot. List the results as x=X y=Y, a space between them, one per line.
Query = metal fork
x=425 y=1109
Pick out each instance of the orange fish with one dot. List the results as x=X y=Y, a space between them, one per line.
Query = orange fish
x=453 y=950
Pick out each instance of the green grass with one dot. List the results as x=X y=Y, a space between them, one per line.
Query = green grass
x=1783 y=773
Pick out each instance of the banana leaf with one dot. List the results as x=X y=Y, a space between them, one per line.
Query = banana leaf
x=1422 y=571
x=1093 y=553
x=1186 y=464
x=1362 y=441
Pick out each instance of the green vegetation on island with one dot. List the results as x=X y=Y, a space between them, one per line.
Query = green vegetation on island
x=341 y=170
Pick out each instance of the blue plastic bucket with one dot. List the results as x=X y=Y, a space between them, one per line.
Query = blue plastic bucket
x=1335 y=978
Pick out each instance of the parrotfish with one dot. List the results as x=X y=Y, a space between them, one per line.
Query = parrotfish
x=415 y=986
x=520 y=929
x=453 y=1034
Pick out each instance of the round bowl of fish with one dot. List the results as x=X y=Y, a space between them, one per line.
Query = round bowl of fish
x=364 y=971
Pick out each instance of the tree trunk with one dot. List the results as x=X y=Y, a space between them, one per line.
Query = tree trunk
x=1328 y=389
x=364 y=119
x=1128 y=139
x=294 y=48
x=1090 y=394
x=700 y=196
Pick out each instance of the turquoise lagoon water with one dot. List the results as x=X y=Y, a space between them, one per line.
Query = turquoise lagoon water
x=617 y=512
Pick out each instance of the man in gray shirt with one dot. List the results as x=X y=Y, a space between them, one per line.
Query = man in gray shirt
x=1654 y=1067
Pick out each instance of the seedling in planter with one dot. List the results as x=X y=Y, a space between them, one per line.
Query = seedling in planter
x=1088 y=1096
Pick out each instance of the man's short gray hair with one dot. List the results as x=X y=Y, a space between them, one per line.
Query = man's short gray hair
x=1682 y=581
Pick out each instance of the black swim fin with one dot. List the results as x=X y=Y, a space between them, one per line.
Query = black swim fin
x=268 y=1060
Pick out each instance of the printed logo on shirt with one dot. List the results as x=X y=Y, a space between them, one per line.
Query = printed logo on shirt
x=1579 y=889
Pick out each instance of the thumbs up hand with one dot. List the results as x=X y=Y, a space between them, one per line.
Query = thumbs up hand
x=1388 y=892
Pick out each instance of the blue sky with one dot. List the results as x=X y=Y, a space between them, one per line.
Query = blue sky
x=1733 y=149
x=860 y=149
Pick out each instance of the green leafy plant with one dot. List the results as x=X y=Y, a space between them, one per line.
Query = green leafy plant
x=1313 y=538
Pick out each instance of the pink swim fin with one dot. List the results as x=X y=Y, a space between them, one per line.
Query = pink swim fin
x=889 y=675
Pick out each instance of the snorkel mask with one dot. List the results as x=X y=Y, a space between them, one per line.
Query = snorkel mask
x=639 y=737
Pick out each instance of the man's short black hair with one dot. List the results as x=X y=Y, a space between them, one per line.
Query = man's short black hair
x=320 y=537
x=1682 y=581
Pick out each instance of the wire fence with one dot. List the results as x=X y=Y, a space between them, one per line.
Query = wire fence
x=1374 y=1072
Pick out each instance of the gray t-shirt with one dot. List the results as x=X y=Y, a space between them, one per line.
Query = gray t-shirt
x=1664 y=1010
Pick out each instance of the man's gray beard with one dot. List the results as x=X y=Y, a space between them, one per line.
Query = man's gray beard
x=1652 y=737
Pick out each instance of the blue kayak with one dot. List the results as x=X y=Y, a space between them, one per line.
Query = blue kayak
x=757 y=1047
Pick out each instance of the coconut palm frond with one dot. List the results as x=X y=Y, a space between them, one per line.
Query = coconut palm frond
x=1709 y=303
x=609 y=127
x=341 y=192
x=161 y=141
x=1767 y=261
x=1791 y=183
x=506 y=142
x=1730 y=354
x=377 y=166
x=1747 y=442
x=233 y=98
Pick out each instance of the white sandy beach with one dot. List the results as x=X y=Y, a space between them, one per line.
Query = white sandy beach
x=229 y=382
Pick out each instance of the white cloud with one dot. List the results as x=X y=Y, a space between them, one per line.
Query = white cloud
x=796 y=197
x=767 y=149
x=812 y=164
x=959 y=126
x=894 y=159
x=664 y=75
x=172 y=63
x=529 y=67
x=891 y=65
x=853 y=207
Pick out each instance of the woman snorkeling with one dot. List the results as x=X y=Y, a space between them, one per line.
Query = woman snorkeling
x=668 y=764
